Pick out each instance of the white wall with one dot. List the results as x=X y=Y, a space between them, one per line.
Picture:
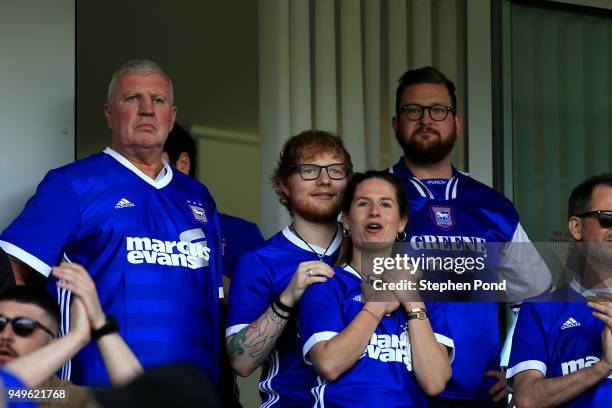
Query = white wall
x=37 y=98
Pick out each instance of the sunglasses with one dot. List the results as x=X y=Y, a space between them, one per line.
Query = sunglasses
x=604 y=217
x=23 y=326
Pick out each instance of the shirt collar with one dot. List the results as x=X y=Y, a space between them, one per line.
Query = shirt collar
x=301 y=244
x=401 y=170
x=162 y=180
x=582 y=291
x=352 y=271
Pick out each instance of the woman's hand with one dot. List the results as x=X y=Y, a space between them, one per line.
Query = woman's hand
x=384 y=300
x=409 y=280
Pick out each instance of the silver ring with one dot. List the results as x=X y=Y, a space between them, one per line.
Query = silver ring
x=308 y=273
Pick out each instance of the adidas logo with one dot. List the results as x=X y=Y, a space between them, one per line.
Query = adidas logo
x=358 y=298
x=124 y=203
x=571 y=322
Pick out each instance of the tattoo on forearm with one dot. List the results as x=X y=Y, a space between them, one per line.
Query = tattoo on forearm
x=235 y=343
x=258 y=339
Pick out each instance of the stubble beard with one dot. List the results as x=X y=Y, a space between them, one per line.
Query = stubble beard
x=599 y=255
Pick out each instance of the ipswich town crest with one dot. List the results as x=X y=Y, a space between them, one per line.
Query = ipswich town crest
x=442 y=217
x=198 y=211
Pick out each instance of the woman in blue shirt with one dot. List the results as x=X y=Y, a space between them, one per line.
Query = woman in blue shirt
x=385 y=348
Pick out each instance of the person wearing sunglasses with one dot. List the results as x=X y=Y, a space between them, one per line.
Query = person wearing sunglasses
x=562 y=346
x=30 y=342
x=29 y=319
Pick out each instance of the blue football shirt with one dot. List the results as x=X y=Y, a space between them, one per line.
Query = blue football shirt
x=152 y=247
x=260 y=276
x=558 y=335
x=16 y=387
x=238 y=236
x=464 y=211
x=383 y=376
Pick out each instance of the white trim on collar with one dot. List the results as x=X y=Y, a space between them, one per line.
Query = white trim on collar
x=454 y=195
x=418 y=188
x=162 y=173
x=318 y=250
x=158 y=183
x=351 y=270
x=448 y=188
x=422 y=189
x=587 y=292
x=451 y=188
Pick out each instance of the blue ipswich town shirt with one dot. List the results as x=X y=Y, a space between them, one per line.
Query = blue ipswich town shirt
x=462 y=209
x=558 y=335
x=152 y=247
x=238 y=237
x=261 y=275
x=383 y=376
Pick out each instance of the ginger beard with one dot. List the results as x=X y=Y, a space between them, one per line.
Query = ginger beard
x=323 y=211
x=426 y=145
x=317 y=200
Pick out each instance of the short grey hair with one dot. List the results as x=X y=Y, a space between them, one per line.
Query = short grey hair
x=138 y=67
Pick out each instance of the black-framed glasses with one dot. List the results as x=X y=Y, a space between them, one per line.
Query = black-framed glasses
x=23 y=326
x=604 y=217
x=336 y=171
x=438 y=113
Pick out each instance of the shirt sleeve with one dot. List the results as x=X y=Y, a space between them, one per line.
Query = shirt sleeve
x=521 y=266
x=439 y=325
x=251 y=293
x=45 y=227
x=320 y=315
x=528 y=343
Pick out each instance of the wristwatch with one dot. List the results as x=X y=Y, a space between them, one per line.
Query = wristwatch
x=110 y=326
x=418 y=313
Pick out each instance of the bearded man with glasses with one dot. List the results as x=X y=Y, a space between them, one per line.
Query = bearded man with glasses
x=268 y=283
x=448 y=208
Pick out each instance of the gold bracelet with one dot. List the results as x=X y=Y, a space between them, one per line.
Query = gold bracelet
x=418 y=313
x=371 y=313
